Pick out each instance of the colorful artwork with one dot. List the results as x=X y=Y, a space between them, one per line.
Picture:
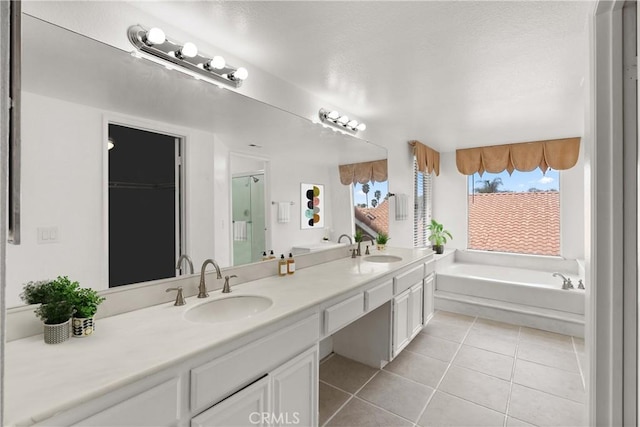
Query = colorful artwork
x=312 y=206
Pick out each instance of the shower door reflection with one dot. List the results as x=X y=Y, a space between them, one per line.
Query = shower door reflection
x=248 y=215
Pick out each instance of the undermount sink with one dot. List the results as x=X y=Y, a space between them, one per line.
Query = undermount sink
x=227 y=309
x=382 y=258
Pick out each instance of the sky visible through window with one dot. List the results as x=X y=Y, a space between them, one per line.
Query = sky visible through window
x=519 y=182
x=360 y=198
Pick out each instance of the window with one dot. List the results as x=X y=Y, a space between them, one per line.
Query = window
x=423 y=184
x=371 y=207
x=518 y=213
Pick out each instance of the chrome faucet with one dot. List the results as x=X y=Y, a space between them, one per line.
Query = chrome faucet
x=185 y=257
x=347 y=236
x=226 y=288
x=202 y=289
x=566 y=281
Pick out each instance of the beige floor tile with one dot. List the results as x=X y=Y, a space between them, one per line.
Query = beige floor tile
x=550 y=380
x=435 y=347
x=543 y=409
x=497 y=328
x=476 y=387
x=453 y=318
x=487 y=362
x=396 y=394
x=514 y=422
x=359 y=413
x=538 y=336
x=447 y=410
x=448 y=331
x=330 y=401
x=345 y=374
x=549 y=355
x=492 y=342
x=423 y=369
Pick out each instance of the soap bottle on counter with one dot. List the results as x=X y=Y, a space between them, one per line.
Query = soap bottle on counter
x=271 y=255
x=264 y=256
x=291 y=264
x=282 y=266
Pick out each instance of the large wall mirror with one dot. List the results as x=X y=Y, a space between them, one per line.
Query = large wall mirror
x=76 y=91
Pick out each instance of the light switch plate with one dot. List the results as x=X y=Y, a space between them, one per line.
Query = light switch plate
x=48 y=235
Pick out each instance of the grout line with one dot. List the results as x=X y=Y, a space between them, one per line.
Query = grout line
x=326 y=358
x=444 y=374
x=513 y=374
x=385 y=410
x=580 y=367
x=351 y=396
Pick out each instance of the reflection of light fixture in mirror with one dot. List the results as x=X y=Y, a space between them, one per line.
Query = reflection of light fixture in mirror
x=110 y=143
x=155 y=44
x=341 y=122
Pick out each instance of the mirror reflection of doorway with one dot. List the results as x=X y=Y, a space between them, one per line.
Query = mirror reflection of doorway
x=248 y=215
x=144 y=205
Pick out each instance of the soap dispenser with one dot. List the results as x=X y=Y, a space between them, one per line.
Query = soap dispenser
x=282 y=266
x=271 y=255
x=291 y=264
x=264 y=256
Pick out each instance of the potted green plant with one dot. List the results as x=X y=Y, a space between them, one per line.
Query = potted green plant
x=438 y=236
x=357 y=237
x=56 y=299
x=381 y=240
x=85 y=302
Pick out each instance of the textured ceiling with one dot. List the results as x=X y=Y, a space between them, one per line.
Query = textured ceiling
x=451 y=74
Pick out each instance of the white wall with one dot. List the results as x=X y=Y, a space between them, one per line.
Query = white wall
x=450 y=205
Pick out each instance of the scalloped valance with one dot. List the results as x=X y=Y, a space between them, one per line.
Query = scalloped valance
x=363 y=172
x=558 y=154
x=427 y=159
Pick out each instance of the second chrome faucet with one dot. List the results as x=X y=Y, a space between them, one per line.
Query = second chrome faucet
x=202 y=289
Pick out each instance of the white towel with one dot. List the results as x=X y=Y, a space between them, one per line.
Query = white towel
x=284 y=212
x=239 y=230
x=402 y=203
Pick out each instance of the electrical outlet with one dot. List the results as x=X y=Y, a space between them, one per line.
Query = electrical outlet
x=48 y=235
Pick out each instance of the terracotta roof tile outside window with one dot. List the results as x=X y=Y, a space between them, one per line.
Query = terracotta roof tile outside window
x=527 y=223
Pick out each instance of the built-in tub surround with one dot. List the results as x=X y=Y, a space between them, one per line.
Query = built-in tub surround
x=513 y=288
x=43 y=380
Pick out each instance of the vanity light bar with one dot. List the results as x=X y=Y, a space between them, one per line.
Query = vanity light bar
x=154 y=42
x=334 y=118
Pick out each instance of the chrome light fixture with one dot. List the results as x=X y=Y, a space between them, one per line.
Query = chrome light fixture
x=154 y=42
x=334 y=118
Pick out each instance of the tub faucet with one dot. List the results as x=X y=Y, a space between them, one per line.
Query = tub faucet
x=566 y=281
x=185 y=257
x=347 y=236
x=202 y=289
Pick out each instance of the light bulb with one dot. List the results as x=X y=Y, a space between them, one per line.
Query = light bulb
x=343 y=120
x=217 y=63
x=361 y=126
x=110 y=144
x=352 y=124
x=155 y=36
x=189 y=50
x=333 y=115
x=239 y=74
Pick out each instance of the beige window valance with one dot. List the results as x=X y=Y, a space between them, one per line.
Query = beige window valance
x=427 y=158
x=363 y=172
x=558 y=154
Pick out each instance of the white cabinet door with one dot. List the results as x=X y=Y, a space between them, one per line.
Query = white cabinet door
x=429 y=288
x=415 y=315
x=295 y=391
x=401 y=330
x=248 y=407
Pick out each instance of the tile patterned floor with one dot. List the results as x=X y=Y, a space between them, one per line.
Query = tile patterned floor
x=462 y=371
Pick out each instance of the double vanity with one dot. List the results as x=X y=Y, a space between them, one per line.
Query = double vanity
x=247 y=357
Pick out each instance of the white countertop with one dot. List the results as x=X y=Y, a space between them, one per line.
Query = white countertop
x=42 y=380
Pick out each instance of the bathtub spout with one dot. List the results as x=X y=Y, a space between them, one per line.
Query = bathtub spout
x=566 y=281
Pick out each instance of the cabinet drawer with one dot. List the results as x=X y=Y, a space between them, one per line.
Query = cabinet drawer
x=405 y=280
x=377 y=296
x=217 y=379
x=343 y=313
x=429 y=267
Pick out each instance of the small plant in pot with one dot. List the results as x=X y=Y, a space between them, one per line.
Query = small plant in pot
x=56 y=306
x=85 y=302
x=381 y=240
x=438 y=236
